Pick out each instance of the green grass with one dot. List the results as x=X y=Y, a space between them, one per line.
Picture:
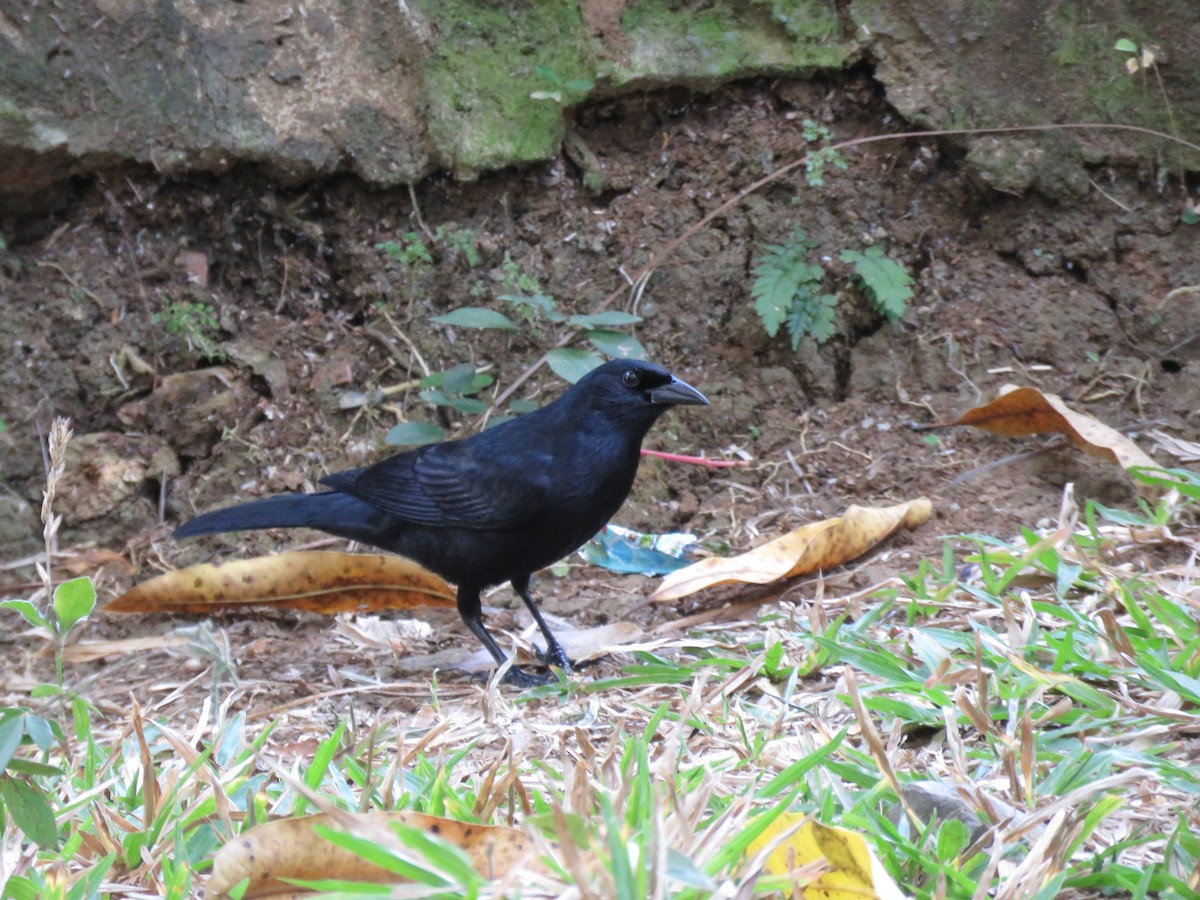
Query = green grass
x=1054 y=678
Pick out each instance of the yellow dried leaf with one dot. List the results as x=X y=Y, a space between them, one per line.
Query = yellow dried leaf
x=290 y=848
x=819 y=545
x=848 y=869
x=1022 y=411
x=317 y=581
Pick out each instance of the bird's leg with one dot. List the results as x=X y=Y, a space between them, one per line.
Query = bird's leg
x=555 y=654
x=472 y=615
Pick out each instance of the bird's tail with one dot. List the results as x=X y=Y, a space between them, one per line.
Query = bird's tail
x=330 y=511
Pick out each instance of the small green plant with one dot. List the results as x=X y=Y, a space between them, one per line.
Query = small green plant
x=563 y=91
x=787 y=288
x=460 y=242
x=885 y=281
x=818 y=159
x=194 y=322
x=27 y=803
x=457 y=389
x=410 y=250
x=72 y=600
x=515 y=280
x=570 y=363
x=413 y=251
x=1138 y=61
x=56 y=609
x=524 y=294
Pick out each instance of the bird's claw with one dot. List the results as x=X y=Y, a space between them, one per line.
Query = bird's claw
x=555 y=656
x=521 y=679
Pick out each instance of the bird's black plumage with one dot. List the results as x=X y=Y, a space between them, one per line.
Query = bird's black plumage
x=496 y=506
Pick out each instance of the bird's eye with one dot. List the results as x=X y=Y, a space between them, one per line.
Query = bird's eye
x=630 y=378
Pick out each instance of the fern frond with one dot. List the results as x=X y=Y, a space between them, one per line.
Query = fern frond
x=779 y=275
x=813 y=315
x=886 y=282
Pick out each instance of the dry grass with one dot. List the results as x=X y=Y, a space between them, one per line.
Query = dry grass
x=1048 y=684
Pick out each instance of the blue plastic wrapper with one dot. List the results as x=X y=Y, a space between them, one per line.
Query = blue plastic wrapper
x=622 y=550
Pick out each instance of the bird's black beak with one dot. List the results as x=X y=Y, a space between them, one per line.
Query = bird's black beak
x=677 y=393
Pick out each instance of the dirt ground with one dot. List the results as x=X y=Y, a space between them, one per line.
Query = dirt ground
x=1065 y=295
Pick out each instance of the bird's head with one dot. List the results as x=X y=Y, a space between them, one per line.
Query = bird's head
x=633 y=389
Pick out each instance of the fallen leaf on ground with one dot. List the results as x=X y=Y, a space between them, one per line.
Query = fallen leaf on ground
x=89 y=651
x=86 y=562
x=291 y=848
x=819 y=545
x=825 y=862
x=1023 y=411
x=380 y=633
x=1187 y=451
x=314 y=580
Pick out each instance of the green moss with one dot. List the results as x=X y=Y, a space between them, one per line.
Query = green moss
x=806 y=20
x=1106 y=91
x=483 y=70
x=727 y=39
x=484 y=63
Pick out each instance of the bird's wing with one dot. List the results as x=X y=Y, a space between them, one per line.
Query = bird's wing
x=462 y=484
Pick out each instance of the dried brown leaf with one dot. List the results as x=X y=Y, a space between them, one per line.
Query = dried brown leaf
x=90 y=651
x=819 y=545
x=317 y=581
x=1022 y=411
x=290 y=848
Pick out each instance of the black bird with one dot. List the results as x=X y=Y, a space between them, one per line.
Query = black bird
x=496 y=506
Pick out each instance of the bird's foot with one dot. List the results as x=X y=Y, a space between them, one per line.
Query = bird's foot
x=522 y=679
x=555 y=656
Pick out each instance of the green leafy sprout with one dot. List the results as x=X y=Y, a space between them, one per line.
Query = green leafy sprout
x=410 y=250
x=460 y=242
x=23 y=795
x=822 y=156
x=195 y=322
x=563 y=91
x=885 y=281
x=787 y=288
